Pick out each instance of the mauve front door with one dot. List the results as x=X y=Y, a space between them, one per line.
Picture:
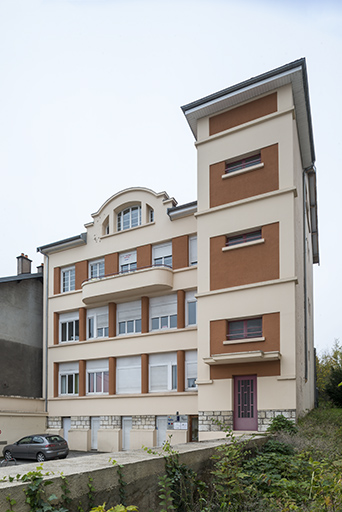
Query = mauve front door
x=245 y=403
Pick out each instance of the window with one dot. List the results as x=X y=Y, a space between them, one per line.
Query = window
x=68 y=279
x=97 y=322
x=105 y=226
x=244 y=238
x=244 y=163
x=128 y=375
x=162 y=254
x=242 y=329
x=191 y=308
x=96 y=269
x=163 y=372
x=68 y=378
x=151 y=215
x=128 y=261
x=128 y=317
x=68 y=327
x=190 y=369
x=129 y=218
x=163 y=312
x=193 y=250
x=97 y=377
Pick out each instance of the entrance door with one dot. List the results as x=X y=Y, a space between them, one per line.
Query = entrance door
x=161 y=424
x=95 y=425
x=66 y=428
x=193 y=428
x=245 y=404
x=126 y=431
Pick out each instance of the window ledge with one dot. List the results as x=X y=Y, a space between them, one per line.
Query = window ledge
x=242 y=171
x=127 y=230
x=244 y=340
x=245 y=244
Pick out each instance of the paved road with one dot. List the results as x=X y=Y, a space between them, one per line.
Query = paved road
x=19 y=462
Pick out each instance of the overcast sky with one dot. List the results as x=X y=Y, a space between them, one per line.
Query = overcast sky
x=90 y=96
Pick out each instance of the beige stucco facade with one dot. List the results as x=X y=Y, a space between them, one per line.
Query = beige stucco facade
x=141 y=308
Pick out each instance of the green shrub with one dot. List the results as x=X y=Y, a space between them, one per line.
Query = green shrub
x=282 y=424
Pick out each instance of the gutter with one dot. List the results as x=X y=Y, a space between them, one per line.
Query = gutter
x=46 y=277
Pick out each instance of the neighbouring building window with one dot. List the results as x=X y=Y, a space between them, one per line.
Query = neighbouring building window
x=129 y=218
x=97 y=323
x=128 y=317
x=128 y=375
x=162 y=254
x=244 y=238
x=68 y=279
x=69 y=327
x=244 y=163
x=243 y=329
x=193 y=250
x=97 y=377
x=191 y=308
x=163 y=372
x=68 y=378
x=163 y=312
x=96 y=269
x=190 y=369
x=128 y=261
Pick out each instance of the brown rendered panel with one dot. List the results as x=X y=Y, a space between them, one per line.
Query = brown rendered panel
x=82 y=324
x=81 y=273
x=112 y=375
x=145 y=314
x=55 y=379
x=227 y=371
x=180 y=371
x=111 y=319
x=111 y=263
x=180 y=309
x=144 y=256
x=57 y=280
x=180 y=252
x=144 y=373
x=245 y=264
x=248 y=184
x=55 y=328
x=271 y=333
x=243 y=114
x=82 y=378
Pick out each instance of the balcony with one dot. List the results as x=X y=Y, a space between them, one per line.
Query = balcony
x=255 y=356
x=128 y=285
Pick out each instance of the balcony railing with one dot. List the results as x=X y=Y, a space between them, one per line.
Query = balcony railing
x=128 y=284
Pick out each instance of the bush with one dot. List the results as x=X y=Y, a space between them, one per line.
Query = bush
x=282 y=424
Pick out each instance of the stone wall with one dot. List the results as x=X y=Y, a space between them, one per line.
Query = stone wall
x=265 y=417
x=207 y=420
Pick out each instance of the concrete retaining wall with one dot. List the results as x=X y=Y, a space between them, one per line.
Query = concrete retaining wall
x=140 y=472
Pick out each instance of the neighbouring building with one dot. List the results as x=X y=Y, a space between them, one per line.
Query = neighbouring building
x=168 y=319
x=21 y=352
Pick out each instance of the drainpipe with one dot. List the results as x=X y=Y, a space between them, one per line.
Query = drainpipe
x=305 y=173
x=46 y=329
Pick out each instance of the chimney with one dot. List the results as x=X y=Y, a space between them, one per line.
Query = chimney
x=24 y=264
x=40 y=268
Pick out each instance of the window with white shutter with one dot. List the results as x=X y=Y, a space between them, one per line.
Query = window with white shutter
x=128 y=375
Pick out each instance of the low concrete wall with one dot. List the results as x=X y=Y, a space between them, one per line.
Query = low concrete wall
x=19 y=417
x=140 y=471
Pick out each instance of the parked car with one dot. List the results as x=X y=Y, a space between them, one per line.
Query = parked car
x=38 y=447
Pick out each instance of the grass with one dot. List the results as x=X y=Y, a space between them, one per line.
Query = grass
x=320 y=433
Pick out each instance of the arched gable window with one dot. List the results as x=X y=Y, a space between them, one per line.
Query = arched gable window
x=129 y=218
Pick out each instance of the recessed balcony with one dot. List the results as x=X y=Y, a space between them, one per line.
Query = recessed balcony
x=128 y=285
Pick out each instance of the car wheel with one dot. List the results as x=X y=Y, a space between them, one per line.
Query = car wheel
x=40 y=457
x=8 y=455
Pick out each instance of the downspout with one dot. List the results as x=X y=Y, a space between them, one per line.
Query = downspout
x=46 y=281
x=305 y=172
x=46 y=329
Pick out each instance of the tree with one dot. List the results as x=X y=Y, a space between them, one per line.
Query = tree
x=329 y=374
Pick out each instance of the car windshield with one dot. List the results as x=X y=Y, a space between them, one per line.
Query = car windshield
x=55 y=439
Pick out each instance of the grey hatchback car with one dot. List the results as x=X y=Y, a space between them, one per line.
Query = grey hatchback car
x=38 y=447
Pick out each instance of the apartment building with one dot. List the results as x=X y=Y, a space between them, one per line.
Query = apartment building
x=171 y=319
